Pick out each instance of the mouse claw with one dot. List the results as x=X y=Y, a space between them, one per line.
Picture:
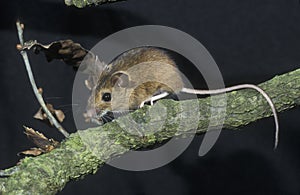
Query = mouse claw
x=142 y=104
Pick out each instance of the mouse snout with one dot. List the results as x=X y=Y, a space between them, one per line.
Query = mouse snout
x=92 y=112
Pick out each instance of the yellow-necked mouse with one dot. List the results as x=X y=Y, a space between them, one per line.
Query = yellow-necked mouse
x=142 y=75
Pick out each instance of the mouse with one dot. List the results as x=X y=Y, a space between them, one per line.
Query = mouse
x=145 y=75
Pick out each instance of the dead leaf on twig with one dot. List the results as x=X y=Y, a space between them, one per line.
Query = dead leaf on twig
x=43 y=143
x=58 y=114
x=71 y=53
x=31 y=152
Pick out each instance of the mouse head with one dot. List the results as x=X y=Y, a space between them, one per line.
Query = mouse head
x=110 y=95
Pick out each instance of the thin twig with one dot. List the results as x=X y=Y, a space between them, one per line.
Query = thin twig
x=38 y=95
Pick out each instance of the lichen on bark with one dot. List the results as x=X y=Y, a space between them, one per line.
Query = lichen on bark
x=49 y=173
x=84 y=3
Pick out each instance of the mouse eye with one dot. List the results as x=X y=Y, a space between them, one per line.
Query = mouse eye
x=106 y=97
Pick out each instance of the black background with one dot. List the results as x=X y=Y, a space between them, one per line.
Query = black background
x=251 y=41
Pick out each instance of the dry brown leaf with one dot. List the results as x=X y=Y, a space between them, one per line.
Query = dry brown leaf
x=59 y=115
x=43 y=143
x=41 y=115
x=72 y=54
x=68 y=51
x=32 y=152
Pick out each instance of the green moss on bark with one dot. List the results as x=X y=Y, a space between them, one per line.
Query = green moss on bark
x=84 y=3
x=49 y=173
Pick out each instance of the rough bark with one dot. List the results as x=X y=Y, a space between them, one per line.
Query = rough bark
x=84 y=3
x=49 y=173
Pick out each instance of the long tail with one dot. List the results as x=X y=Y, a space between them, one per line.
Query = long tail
x=238 y=87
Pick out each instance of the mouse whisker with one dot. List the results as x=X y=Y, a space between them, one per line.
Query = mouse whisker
x=51 y=98
x=66 y=105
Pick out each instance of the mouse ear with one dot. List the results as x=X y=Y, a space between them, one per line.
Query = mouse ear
x=94 y=68
x=121 y=79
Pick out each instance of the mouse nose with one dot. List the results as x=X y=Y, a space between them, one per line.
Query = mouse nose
x=92 y=113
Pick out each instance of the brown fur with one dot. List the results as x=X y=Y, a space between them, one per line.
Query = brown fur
x=150 y=71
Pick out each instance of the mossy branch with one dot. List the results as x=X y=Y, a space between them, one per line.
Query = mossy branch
x=49 y=173
x=84 y=3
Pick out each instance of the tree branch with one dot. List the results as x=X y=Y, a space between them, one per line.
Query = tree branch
x=49 y=173
x=84 y=3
